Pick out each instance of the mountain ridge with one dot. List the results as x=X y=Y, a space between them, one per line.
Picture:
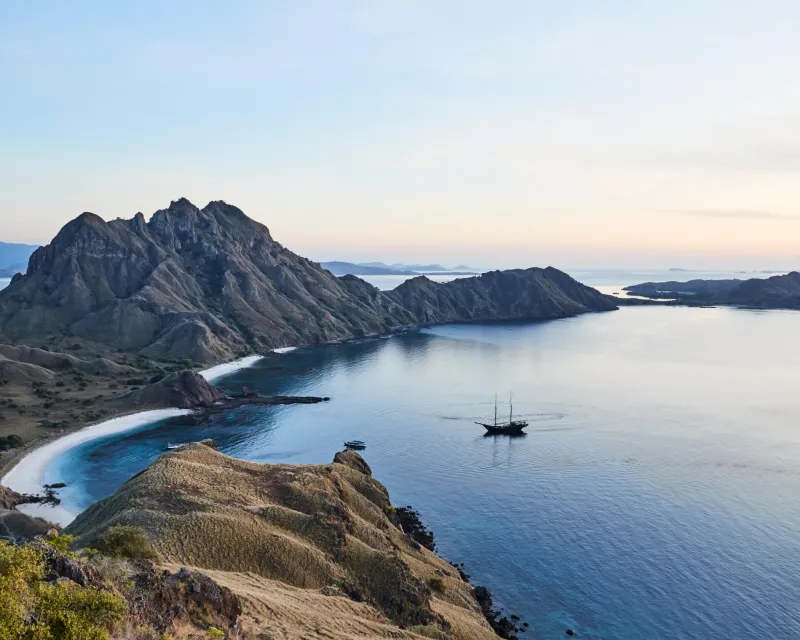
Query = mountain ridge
x=212 y=284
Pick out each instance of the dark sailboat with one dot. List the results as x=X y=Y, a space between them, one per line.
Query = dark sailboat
x=510 y=427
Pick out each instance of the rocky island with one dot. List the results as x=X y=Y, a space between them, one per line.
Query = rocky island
x=776 y=292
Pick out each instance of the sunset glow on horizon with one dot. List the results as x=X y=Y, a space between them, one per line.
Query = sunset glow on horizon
x=511 y=134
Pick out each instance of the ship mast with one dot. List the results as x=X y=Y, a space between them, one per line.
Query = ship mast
x=495 y=409
x=510 y=407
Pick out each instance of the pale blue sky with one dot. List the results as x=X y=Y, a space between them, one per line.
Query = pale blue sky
x=530 y=132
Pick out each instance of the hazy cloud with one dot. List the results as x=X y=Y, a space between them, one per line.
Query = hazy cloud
x=739 y=214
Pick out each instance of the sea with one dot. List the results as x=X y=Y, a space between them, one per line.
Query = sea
x=654 y=496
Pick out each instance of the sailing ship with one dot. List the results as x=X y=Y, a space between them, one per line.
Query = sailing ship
x=510 y=427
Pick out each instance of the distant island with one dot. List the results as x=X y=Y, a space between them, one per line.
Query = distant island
x=14 y=258
x=339 y=268
x=14 y=269
x=777 y=292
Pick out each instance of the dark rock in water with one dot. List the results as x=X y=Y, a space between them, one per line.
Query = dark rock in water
x=569 y=632
x=210 y=284
x=57 y=485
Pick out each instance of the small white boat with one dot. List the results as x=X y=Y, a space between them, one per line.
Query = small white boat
x=174 y=446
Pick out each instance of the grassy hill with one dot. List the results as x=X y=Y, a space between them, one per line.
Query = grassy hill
x=313 y=551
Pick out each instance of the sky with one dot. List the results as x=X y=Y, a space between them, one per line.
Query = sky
x=507 y=133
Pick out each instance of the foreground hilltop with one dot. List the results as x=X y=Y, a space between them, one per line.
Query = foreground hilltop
x=211 y=284
x=311 y=551
x=777 y=292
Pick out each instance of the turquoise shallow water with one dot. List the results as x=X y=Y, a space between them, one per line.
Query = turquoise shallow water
x=655 y=495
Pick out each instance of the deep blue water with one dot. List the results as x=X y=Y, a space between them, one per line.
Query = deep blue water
x=655 y=496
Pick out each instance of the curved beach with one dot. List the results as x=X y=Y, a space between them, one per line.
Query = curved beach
x=27 y=476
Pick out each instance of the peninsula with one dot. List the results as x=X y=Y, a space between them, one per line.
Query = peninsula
x=776 y=292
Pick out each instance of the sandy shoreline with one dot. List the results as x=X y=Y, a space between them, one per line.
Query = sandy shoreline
x=27 y=475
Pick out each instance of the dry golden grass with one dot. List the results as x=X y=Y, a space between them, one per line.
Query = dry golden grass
x=284 y=537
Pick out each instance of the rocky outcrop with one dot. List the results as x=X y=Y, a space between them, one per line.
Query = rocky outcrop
x=9 y=498
x=167 y=598
x=157 y=600
x=210 y=284
x=351 y=459
x=301 y=545
x=184 y=390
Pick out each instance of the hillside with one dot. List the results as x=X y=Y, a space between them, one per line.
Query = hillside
x=776 y=292
x=312 y=551
x=499 y=295
x=211 y=284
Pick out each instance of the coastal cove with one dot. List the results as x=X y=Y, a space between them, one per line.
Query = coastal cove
x=653 y=496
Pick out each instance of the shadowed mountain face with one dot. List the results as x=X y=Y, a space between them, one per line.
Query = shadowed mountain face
x=777 y=292
x=211 y=284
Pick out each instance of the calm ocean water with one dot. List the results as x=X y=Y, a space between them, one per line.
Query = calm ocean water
x=655 y=494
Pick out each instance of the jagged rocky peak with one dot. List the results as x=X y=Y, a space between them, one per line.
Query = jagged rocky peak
x=183 y=226
x=87 y=236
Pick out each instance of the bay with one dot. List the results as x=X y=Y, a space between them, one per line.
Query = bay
x=654 y=496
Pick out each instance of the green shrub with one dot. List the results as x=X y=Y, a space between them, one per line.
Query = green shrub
x=31 y=609
x=437 y=584
x=127 y=542
x=11 y=441
x=60 y=541
x=213 y=632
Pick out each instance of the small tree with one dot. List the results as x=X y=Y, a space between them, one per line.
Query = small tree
x=127 y=542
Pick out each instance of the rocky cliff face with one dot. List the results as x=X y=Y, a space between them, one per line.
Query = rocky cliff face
x=210 y=284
